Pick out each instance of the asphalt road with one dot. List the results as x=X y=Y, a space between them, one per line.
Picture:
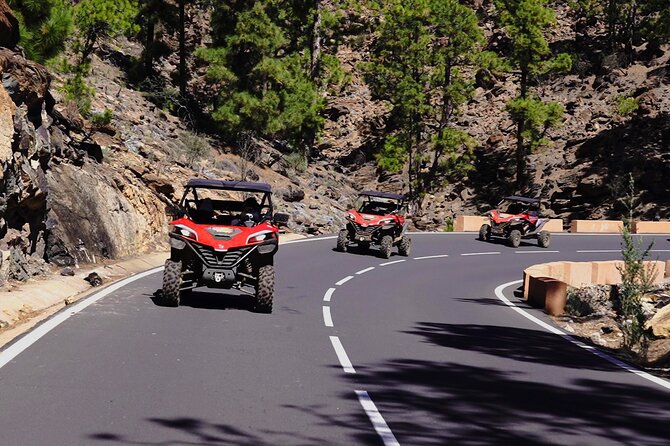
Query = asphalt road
x=419 y=351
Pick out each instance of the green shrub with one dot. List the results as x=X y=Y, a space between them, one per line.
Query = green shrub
x=195 y=147
x=296 y=162
x=626 y=105
x=102 y=119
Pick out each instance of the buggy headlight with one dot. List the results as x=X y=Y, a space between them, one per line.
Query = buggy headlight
x=187 y=232
x=260 y=236
x=351 y=217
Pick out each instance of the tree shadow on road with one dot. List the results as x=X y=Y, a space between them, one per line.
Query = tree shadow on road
x=437 y=403
x=188 y=431
x=519 y=344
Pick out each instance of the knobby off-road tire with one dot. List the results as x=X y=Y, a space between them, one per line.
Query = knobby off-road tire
x=385 y=247
x=485 y=233
x=342 y=237
x=514 y=238
x=543 y=239
x=405 y=246
x=171 y=283
x=265 y=289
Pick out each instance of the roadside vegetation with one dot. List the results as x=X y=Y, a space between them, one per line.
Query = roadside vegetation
x=271 y=65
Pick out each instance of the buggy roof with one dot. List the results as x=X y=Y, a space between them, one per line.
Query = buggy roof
x=229 y=185
x=371 y=193
x=523 y=199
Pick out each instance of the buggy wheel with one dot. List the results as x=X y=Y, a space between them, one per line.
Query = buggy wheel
x=543 y=239
x=171 y=283
x=485 y=232
x=405 y=246
x=385 y=247
x=342 y=239
x=265 y=289
x=514 y=238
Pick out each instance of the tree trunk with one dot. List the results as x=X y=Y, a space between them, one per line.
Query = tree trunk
x=182 y=48
x=520 y=143
x=149 y=47
x=316 y=40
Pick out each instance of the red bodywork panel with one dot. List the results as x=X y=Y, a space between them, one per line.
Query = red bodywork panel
x=240 y=236
x=498 y=217
x=375 y=220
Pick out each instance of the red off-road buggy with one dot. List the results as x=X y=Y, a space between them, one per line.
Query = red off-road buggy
x=519 y=220
x=378 y=218
x=225 y=236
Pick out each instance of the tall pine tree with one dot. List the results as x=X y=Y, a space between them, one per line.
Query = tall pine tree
x=418 y=56
x=261 y=63
x=526 y=23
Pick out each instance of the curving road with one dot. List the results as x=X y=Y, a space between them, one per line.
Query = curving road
x=410 y=351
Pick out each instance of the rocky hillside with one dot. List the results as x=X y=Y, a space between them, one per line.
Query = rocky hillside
x=74 y=191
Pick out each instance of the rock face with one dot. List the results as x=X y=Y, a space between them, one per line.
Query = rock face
x=90 y=215
x=7 y=110
x=9 y=26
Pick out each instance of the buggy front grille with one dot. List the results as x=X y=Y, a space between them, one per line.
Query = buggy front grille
x=220 y=259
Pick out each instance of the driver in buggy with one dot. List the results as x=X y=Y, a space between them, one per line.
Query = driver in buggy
x=250 y=215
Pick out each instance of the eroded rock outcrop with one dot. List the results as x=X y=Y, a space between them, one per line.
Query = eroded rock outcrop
x=9 y=26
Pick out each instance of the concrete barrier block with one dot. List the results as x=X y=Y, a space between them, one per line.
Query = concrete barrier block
x=596 y=226
x=667 y=268
x=651 y=227
x=537 y=291
x=553 y=225
x=606 y=273
x=578 y=274
x=469 y=223
x=556 y=296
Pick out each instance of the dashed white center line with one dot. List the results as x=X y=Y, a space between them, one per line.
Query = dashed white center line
x=328 y=295
x=343 y=281
x=432 y=257
x=327 y=319
x=342 y=355
x=535 y=252
x=481 y=253
x=376 y=419
x=391 y=263
x=363 y=271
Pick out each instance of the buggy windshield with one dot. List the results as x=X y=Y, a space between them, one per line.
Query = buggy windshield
x=225 y=207
x=366 y=204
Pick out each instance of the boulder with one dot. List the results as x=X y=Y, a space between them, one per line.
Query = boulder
x=26 y=82
x=660 y=323
x=9 y=26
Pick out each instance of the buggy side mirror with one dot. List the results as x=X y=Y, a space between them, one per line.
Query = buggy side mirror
x=281 y=219
x=174 y=211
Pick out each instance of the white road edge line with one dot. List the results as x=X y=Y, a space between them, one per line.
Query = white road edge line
x=535 y=252
x=342 y=355
x=308 y=239
x=343 y=281
x=598 y=250
x=363 y=271
x=391 y=263
x=481 y=253
x=33 y=336
x=327 y=319
x=328 y=295
x=642 y=374
x=378 y=422
x=432 y=257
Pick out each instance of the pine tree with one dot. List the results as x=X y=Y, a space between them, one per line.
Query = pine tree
x=526 y=22
x=261 y=62
x=420 y=49
x=44 y=25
